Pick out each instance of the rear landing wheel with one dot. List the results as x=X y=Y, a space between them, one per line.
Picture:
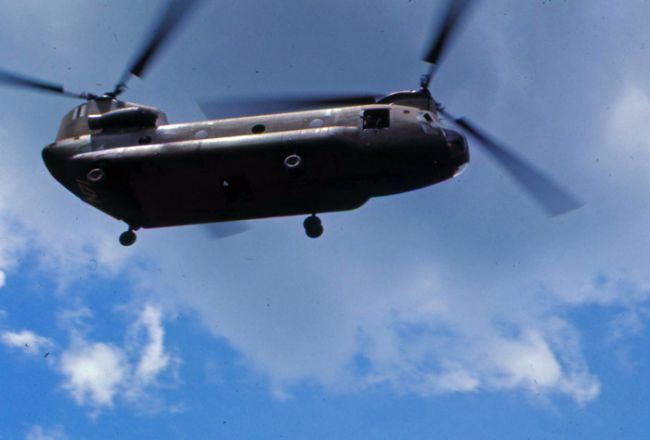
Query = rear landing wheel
x=127 y=238
x=313 y=226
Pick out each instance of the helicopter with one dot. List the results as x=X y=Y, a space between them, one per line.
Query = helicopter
x=128 y=161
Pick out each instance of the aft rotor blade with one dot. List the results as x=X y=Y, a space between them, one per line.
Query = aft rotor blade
x=176 y=11
x=233 y=107
x=550 y=195
x=226 y=229
x=19 y=80
x=450 y=23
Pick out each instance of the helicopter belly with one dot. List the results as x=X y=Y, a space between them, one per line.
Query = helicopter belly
x=232 y=178
x=181 y=196
x=222 y=187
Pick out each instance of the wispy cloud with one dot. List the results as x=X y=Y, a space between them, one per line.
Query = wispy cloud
x=27 y=341
x=38 y=432
x=97 y=373
x=153 y=358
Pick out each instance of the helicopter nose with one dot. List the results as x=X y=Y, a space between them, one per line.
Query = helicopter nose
x=54 y=159
x=458 y=149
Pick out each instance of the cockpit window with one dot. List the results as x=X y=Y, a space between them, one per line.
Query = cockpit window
x=79 y=112
x=376 y=118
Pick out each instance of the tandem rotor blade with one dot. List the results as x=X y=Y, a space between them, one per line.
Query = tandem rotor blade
x=234 y=107
x=550 y=195
x=20 y=80
x=439 y=44
x=176 y=11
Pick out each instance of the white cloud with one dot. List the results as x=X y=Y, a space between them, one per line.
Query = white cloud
x=32 y=219
x=153 y=358
x=630 y=120
x=526 y=361
x=410 y=329
x=27 y=341
x=94 y=373
x=37 y=432
x=455 y=380
x=457 y=346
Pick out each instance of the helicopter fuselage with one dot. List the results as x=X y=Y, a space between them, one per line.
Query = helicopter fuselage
x=128 y=161
x=156 y=174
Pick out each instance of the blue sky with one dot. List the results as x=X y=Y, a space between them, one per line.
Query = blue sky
x=457 y=311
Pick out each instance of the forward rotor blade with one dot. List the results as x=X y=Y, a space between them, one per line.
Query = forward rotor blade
x=549 y=194
x=234 y=107
x=19 y=80
x=448 y=26
x=176 y=11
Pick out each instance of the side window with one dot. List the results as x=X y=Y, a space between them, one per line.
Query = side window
x=376 y=118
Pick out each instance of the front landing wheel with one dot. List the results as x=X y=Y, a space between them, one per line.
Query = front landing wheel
x=127 y=238
x=313 y=226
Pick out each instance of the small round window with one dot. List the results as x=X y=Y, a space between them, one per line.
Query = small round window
x=259 y=128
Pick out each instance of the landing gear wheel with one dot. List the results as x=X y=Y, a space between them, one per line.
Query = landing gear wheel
x=313 y=226
x=127 y=238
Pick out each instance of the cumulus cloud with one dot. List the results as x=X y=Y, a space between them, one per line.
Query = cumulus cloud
x=406 y=328
x=489 y=363
x=450 y=348
x=96 y=373
x=27 y=341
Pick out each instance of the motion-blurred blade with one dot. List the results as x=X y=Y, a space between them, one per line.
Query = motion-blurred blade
x=439 y=44
x=176 y=11
x=550 y=195
x=234 y=107
x=226 y=229
x=19 y=80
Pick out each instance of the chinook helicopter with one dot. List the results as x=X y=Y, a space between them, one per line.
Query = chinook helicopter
x=128 y=161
